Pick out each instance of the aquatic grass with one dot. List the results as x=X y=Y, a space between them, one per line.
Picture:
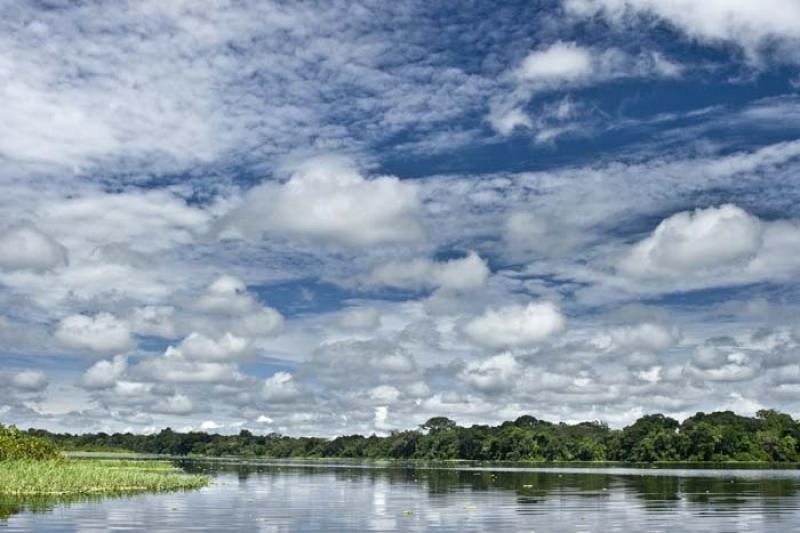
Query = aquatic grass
x=56 y=477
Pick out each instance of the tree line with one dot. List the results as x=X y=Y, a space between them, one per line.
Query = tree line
x=720 y=436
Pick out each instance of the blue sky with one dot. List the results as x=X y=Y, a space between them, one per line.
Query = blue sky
x=335 y=217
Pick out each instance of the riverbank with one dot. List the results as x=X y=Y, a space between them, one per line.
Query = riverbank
x=92 y=476
x=441 y=463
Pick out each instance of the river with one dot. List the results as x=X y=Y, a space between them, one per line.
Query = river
x=333 y=496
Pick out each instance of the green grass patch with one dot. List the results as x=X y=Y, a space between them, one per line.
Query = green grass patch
x=58 y=477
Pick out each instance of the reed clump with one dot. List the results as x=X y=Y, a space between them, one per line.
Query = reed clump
x=32 y=466
x=59 y=477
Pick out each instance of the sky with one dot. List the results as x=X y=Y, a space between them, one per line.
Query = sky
x=330 y=217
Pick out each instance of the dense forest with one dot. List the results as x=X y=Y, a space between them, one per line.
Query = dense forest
x=720 y=436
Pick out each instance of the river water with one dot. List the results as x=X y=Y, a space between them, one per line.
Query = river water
x=297 y=496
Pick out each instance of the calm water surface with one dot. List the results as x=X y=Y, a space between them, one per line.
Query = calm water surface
x=283 y=496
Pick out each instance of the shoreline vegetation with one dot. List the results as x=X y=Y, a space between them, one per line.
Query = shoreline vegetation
x=34 y=466
x=720 y=437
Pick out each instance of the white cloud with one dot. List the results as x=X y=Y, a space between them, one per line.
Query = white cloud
x=263 y=322
x=199 y=347
x=384 y=394
x=23 y=246
x=231 y=307
x=156 y=320
x=559 y=63
x=651 y=375
x=515 y=325
x=496 y=374
x=104 y=374
x=175 y=370
x=646 y=336
x=418 y=389
x=380 y=417
x=210 y=425
x=466 y=273
x=132 y=389
x=101 y=333
x=561 y=66
x=226 y=294
x=350 y=364
x=751 y=25
x=722 y=362
x=145 y=221
x=541 y=234
x=178 y=404
x=359 y=318
x=121 y=245
x=689 y=242
x=120 y=187
x=711 y=247
x=506 y=119
x=29 y=380
x=173 y=367
x=166 y=91
x=328 y=199
x=281 y=387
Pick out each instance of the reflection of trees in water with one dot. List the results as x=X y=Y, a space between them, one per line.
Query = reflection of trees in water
x=11 y=505
x=718 y=492
x=656 y=492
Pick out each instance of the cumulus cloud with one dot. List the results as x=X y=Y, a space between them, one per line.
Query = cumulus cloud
x=178 y=404
x=29 y=381
x=118 y=244
x=125 y=225
x=171 y=368
x=175 y=366
x=351 y=364
x=23 y=246
x=647 y=336
x=688 y=242
x=328 y=199
x=100 y=333
x=199 y=347
x=465 y=273
x=712 y=247
x=104 y=374
x=229 y=305
x=722 y=360
x=515 y=325
x=384 y=394
x=281 y=387
x=155 y=320
x=493 y=375
x=750 y=25
x=226 y=294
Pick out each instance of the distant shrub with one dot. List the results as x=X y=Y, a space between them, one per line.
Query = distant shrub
x=16 y=445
